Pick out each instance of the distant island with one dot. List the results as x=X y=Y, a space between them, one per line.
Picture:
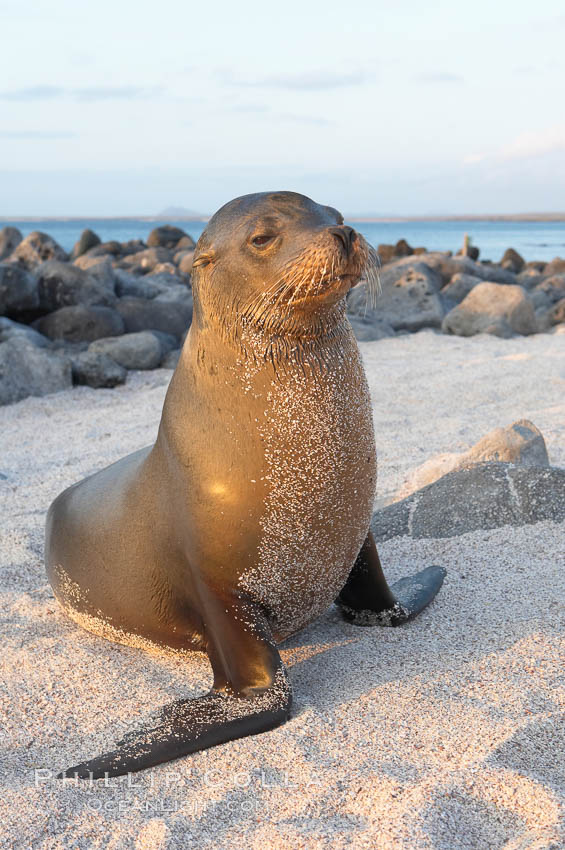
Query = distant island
x=181 y=214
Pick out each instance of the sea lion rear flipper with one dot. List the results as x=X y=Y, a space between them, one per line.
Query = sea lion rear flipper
x=367 y=600
x=251 y=694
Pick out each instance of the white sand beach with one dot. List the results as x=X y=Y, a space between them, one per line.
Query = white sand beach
x=446 y=733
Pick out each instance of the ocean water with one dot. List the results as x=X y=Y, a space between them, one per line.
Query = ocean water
x=533 y=240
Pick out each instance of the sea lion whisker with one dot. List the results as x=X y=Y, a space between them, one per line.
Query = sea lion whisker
x=267 y=299
x=297 y=287
x=290 y=284
x=262 y=296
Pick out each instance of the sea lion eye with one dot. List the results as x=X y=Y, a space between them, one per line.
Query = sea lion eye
x=201 y=260
x=262 y=239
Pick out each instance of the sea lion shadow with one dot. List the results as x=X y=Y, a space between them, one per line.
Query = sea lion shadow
x=332 y=662
x=456 y=818
x=545 y=738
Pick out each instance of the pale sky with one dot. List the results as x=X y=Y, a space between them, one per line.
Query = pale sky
x=123 y=108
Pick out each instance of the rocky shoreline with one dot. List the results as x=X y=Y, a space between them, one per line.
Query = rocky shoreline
x=107 y=308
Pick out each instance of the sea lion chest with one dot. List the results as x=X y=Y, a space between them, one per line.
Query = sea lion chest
x=275 y=471
x=319 y=469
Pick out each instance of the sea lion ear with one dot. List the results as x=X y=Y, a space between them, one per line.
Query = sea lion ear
x=204 y=258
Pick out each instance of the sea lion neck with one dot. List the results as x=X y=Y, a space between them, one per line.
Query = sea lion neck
x=317 y=339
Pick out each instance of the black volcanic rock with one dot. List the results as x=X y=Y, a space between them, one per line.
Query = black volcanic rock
x=10 y=238
x=167 y=236
x=37 y=248
x=487 y=495
x=18 y=290
x=171 y=317
x=79 y=323
x=88 y=239
x=63 y=284
x=513 y=261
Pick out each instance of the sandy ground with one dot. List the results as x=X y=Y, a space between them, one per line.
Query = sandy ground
x=443 y=734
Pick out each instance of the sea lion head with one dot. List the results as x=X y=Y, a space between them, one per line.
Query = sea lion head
x=278 y=261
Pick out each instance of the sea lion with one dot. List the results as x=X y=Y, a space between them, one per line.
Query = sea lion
x=250 y=514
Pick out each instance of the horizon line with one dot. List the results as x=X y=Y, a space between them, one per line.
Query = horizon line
x=366 y=217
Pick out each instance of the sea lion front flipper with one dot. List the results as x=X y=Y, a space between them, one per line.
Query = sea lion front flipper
x=367 y=600
x=251 y=694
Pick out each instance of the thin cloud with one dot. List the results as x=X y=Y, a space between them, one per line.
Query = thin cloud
x=525 y=146
x=474 y=158
x=251 y=108
x=88 y=94
x=548 y=67
x=304 y=81
x=113 y=93
x=39 y=135
x=267 y=113
x=439 y=77
x=33 y=93
x=529 y=70
x=552 y=23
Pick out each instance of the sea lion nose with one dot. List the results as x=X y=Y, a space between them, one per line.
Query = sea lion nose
x=346 y=235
